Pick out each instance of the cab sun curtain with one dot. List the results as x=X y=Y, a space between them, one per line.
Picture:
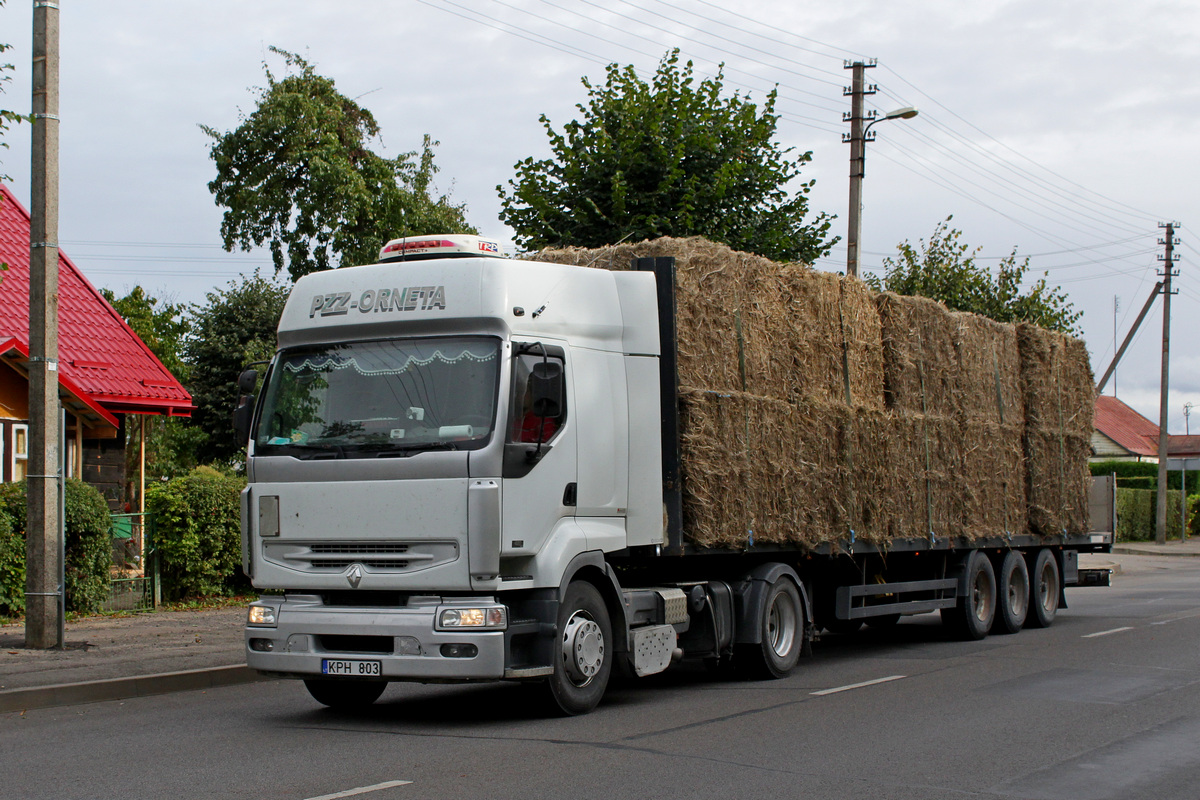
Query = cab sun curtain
x=364 y=399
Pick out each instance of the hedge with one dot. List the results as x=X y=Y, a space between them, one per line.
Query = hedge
x=88 y=548
x=1136 y=514
x=197 y=532
x=12 y=568
x=1144 y=475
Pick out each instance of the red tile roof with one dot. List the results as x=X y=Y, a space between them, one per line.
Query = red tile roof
x=99 y=355
x=1126 y=427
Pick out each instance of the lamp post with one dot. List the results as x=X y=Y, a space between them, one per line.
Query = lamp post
x=859 y=136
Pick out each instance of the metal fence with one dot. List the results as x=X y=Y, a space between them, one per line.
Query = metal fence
x=135 y=582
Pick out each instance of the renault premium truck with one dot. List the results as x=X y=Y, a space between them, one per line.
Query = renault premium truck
x=464 y=467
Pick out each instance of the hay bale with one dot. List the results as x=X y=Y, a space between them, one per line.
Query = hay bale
x=747 y=324
x=818 y=340
x=1057 y=481
x=920 y=362
x=989 y=370
x=1057 y=386
x=1059 y=399
x=991 y=480
x=758 y=470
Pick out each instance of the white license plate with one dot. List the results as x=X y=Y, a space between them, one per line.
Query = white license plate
x=350 y=666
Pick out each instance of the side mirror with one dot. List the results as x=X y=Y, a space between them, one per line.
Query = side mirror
x=546 y=383
x=248 y=381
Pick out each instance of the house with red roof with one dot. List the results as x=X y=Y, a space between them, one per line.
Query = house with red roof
x=107 y=376
x=1122 y=434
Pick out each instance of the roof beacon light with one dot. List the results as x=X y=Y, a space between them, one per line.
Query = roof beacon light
x=414 y=248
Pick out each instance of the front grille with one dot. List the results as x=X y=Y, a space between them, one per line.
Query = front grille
x=340 y=548
x=335 y=557
x=340 y=564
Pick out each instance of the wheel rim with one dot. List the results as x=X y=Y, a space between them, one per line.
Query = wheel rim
x=582 y=648
x=1048 y=587
x=981 y=597
x=1018 y=593
x=781 y=624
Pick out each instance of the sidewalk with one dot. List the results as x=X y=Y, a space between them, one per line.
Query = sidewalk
x=110 y=658
x=1173 y=548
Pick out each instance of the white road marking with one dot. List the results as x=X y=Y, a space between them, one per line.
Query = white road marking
x=361 y=790
x=1106 y=633
x=824 y=692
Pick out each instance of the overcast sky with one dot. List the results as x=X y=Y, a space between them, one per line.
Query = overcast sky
x=1067 y=130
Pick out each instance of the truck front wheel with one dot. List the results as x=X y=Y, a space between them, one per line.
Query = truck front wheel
x=345 y=694
x=781 y=627
x=583 y=654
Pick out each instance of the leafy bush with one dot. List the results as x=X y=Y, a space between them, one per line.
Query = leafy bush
x=1136 y=514
x=88 y=547
x=197 y=519
x=12 y=568
x=1144 y=475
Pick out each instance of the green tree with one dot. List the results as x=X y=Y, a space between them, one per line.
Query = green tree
x=7 y=118
x=233 y=329
x=669 y=158
x=945 y=269
x=171 y=442
x=297 y=175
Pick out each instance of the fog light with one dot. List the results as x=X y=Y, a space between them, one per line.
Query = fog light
x=460 y=650
x=262 y=645
x=261 y=615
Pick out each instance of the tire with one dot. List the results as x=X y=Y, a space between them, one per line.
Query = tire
x=1012 y=594
x=972 y=617
x=583 y=651
x=1045 y=584
x=342 y=694
x=781 y=630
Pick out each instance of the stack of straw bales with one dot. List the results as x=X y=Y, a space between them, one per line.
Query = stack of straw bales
x=814 y=411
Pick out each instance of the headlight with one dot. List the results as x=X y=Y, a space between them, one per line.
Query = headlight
x=261 y=615
x=487 y=617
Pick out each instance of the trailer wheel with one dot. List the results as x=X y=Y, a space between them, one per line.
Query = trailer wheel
x=1045 y=585
x=583 y=658
x=781 y=627
x=972 y=617
x=1012 y=594
x=345 y=694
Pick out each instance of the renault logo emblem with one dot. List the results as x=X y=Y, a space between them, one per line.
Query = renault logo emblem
x=354 y=576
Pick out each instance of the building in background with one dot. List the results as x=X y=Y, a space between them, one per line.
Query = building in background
x=108 y=377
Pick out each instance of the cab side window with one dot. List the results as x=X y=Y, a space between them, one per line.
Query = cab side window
x=539 y=404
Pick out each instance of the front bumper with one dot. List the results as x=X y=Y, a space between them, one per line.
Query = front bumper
x=403 y=639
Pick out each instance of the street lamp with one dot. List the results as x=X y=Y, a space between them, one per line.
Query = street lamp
x=859 y=137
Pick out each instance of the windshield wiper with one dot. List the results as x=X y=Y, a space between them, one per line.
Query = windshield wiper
x=406 y=450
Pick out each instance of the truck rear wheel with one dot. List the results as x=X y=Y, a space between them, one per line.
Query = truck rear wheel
x=972 y=617
x=1045 y=585
x=345 y=694
x=583 y=653
x=781 y=627
x=1012 y=594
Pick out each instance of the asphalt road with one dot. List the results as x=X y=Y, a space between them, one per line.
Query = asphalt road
x=1105 y=704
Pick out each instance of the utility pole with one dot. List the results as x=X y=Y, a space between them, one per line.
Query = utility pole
x=857 y=139
x=44 y=589
x=1168 y=259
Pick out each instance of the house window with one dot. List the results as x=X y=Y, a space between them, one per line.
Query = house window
x=20 y=452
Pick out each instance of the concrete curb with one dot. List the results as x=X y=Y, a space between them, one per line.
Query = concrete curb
x=64 y=694
x=1134 y=550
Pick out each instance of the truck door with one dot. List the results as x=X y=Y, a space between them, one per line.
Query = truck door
x=540 y=449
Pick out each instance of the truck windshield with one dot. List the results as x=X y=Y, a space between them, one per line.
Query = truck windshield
x=371 y=399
